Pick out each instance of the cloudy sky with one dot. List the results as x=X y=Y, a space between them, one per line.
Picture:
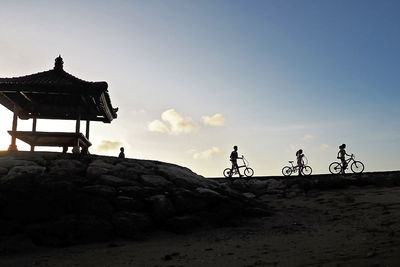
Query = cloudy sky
x=193 y=78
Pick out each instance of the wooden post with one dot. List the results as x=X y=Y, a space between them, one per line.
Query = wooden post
x=13 y=146
x=33 y=130
x=76 y=149
x=78 y=124
x=87 y=129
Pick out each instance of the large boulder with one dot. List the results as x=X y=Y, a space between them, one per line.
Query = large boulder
x=115 y=181
x=155 y=181
x=162 y=207
x=63 y=167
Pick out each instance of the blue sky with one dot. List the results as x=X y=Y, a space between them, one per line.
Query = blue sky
x=282 y=75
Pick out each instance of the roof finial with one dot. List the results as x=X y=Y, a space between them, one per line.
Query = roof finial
x=58 y=65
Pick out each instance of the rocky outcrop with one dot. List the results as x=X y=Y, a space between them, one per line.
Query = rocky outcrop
x=62 y=199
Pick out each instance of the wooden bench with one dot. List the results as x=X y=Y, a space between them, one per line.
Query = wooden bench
x=55 y=139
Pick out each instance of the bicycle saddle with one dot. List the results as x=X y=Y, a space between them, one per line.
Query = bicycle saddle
x=291 y=161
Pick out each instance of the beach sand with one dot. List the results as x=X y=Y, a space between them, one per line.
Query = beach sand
x=357 y=226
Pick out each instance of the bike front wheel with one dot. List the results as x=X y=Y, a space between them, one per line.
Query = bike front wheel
x=248 y=172
x=357 y=167
x=286 y=171
x=307 y=170
x=335 y=168
x=227 y=172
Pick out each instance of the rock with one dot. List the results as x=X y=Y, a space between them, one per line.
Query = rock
x=131 y=224
x=183 y=177
x=3 y=171
x=27 y=207
x=249 y=195
x=66 y=167
x=258 y=187
x=208 y=194
x=71 y=230
x=138 y=191
x=95 y=171
x=90 y=205
x=240 y=185
x=101 y=164
x=186 y=201
x=155 y=181
x=275 y=184
x=9 y=163
x=129 y=204
x=162 y=207
x=128 y=173
x=100 y=190
x=114 y=181
x=21 y=178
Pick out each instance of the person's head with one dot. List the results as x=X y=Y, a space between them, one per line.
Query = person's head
x=342 y=146
x=300 y=151
x=121 y=149
x=235 y=148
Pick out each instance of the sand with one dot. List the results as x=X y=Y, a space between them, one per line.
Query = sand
x=358 y=226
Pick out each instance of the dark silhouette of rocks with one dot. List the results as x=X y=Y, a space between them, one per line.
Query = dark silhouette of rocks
x=63 y=199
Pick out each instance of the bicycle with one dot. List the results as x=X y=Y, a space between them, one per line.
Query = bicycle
x=288 y=170
x=356 y=166
x=248 y=172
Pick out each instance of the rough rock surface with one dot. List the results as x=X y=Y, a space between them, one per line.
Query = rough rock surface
x=62 y=199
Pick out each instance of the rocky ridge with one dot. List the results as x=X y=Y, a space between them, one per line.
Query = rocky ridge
x=61 y=199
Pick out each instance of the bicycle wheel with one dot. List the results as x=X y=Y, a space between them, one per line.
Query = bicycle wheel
x=286 y=171
x=335 y=168
x=307 y=170
x=227 y=172
x=248 y=172
x=357 y=167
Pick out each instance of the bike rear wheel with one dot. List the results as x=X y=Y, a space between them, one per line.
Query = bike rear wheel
x=286 y=171
x=357 y=167
x=335 y=168
x=307 y=170
x=248 y=172
x=227 y=172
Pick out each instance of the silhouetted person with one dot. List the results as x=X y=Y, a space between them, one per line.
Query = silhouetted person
x=299 y=157
x=341 y=155
x=233 y=158
x=121 y=154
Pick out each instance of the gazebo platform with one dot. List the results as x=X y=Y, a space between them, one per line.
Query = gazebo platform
x=56 y=139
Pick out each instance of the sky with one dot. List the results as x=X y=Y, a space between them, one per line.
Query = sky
x=192 y=79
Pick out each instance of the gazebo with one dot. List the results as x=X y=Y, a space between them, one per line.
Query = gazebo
x=55 y=94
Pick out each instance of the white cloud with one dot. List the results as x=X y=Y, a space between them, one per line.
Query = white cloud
x=325 y=146
x=158 y=126
x=215 y=120
x=308 y=137
x=172 y=123
x=106 y=145
x=207 y=154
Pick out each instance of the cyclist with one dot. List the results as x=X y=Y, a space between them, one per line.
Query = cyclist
x=341 y=155
x=233 y=158
x=299 y=156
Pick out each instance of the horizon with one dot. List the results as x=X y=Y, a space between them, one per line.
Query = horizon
x=193 y=79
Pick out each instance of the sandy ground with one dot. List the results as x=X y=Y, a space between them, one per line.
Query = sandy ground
x=352 y=227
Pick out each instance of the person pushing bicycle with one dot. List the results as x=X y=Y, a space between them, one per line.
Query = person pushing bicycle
x=233 y=158
x=299 y=157
x=342 y=156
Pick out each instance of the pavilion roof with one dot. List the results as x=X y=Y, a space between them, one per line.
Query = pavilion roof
x=56 y=94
